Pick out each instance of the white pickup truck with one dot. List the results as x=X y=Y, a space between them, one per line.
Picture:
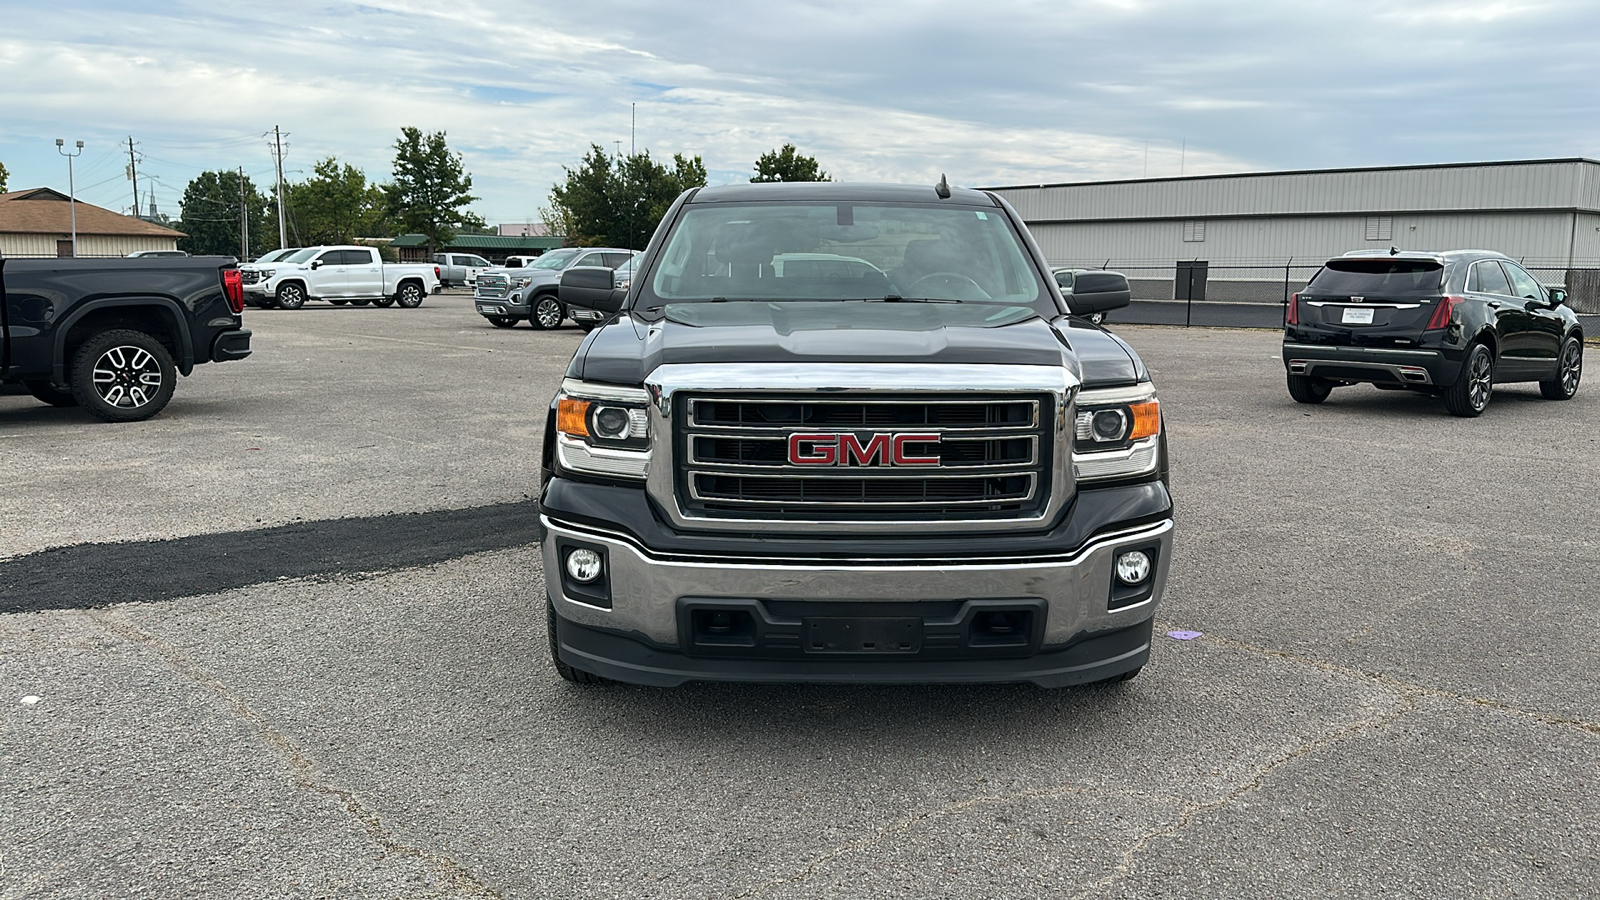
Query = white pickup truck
x=339 y=275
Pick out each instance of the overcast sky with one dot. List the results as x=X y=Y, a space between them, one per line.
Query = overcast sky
x=998 y=92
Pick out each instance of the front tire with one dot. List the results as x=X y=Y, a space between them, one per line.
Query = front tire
x=123 y=376
x=576 y=676
x=291 y=296
x=383 y=301
x=1305 y=389
x=547 y=313
x=1469 y=396
x=45 y=392
x=1565 y=384
x=409 y=296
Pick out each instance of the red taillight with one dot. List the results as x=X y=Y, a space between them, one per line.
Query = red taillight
x=1443 y=312
x=233 y=289
x=436 y=272
x=1291 y=316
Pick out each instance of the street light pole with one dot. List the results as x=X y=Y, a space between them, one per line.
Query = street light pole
x=72 y=189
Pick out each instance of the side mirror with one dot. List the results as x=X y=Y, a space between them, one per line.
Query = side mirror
x=1098 y=292
x=1558 y=296
x=316 y=264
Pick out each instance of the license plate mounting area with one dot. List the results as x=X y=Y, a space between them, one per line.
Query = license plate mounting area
x=861 y=635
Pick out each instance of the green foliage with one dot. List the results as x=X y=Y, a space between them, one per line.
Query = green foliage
x=786 y=164
x=616 y=202
x=211 y=216
x=429 y=193
x=3 y=176
x=336 y=205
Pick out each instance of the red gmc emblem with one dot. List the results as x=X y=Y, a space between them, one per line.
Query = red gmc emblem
x=845 y=449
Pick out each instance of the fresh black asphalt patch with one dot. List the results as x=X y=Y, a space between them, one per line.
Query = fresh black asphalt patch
x=90 y=575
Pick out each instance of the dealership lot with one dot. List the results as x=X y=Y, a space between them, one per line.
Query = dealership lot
x=287 y=639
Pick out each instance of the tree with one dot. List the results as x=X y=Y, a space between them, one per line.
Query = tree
x=429 y=193
x=210 y=216
x=786 y=164
x=617 y=201
x=3 y=176
x=336 y=205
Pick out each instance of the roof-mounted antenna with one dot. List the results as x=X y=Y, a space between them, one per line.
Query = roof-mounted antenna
x=942 y=188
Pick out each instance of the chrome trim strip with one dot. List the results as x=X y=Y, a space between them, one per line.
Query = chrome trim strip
x=1402 y=373
x=1346 y=348
x=1137 y=393
x=1138 y=459
x=1031 y=425
x=576 y=455
x=1131 y=534
x=826 y=380
x=589 y=390
x=887 y=506
x=1361 y=305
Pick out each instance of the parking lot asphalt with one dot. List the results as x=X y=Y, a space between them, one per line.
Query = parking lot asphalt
x=287 y=639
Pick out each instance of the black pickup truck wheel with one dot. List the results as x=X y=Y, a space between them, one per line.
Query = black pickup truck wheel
x=46 y=392
x=123 y=376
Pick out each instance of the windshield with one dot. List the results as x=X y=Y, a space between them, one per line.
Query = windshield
x=1378 y=277
x=555 y=259
x=300 y=256
x=845 y=251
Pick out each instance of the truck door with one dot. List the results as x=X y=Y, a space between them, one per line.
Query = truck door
x=326 y=274
x=363 y=273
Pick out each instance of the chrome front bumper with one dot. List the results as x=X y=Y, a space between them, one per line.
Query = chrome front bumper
x=645 y=587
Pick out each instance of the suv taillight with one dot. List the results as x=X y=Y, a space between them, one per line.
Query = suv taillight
x=1443 y=312
x=233 y=289
x=1291 y=316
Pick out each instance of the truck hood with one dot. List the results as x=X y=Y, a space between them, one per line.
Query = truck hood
x=627 y=349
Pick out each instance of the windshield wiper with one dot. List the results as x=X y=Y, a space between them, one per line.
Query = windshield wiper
x=896 y=298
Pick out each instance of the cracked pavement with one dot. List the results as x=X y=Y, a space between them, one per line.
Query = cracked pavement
x=1395 y=692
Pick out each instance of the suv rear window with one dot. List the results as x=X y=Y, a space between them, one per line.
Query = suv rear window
x=1379 y=277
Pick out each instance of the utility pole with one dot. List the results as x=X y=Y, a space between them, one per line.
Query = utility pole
x=244 y=222
x=633 y=150
x=72 y=190
x=277 y=137
x=133 y=176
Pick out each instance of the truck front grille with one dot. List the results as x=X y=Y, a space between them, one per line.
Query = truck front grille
x=491 y=287
x=963 y=458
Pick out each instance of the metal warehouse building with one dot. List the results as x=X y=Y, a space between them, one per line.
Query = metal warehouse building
x=1254 y=237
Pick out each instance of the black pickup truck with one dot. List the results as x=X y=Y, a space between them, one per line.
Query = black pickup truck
x=853 y=433
x=112 y=335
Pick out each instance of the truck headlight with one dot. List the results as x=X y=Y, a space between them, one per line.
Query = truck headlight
x=603 y=429
x=1117 y=433
x=524 y=282
x=268 y=273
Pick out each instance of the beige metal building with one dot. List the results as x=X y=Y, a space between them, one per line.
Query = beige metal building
x=1260 y=234
x=38 y=222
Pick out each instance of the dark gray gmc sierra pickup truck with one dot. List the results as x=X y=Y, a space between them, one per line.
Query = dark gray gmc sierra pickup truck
x=112 y=335
x=852 y=433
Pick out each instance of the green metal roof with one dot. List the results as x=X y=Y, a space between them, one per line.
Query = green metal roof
x=483 y=242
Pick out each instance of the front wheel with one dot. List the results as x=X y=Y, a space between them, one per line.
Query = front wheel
x=383 y=301
x=291 y=296
x=1305 y=389
x=501 y=321
x=123 y=376
x=409 y=296
x=1565 y=384
x=1469 y=396
x=547 y=312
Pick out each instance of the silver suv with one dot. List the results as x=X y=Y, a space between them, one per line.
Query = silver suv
x=506 y=297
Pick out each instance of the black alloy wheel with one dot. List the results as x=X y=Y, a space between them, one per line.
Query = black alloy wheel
x=1565 y=384
x=1470 y=394
x=409 y=296
x=291 y=296
x=501 y=321
x=44 y=391
x=123 y=376
x=1305 y=389
x=547 y=312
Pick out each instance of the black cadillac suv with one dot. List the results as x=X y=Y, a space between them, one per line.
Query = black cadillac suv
x=1453 y=323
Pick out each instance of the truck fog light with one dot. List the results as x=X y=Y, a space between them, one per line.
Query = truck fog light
x=1133 y=567
x=584 y=565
